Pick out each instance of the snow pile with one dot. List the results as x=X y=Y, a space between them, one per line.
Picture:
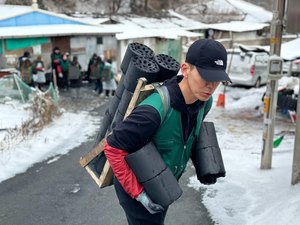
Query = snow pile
x=249 y=195
x=59 y=137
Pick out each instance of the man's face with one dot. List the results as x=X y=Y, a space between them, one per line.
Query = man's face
x=200 y=88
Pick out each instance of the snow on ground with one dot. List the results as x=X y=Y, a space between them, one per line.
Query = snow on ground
x=247 y=195
x=58 y=138
x=12 y=115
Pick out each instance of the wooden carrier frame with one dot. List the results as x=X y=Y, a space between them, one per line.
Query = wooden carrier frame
x=105 y=178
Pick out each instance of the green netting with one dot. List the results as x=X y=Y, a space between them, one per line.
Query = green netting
x=53 y=93
x=8 y=88
x=13 y=87
x=25 y=91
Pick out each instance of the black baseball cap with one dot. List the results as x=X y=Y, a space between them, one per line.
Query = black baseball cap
x=210 y=58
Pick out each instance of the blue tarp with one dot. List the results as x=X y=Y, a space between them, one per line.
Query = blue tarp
x=35 y=18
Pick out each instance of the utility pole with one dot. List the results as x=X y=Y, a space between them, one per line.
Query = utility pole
x=296 y=159
x=271 y=96
x=293 y=26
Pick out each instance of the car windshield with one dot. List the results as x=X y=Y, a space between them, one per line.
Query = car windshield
x=238 y=58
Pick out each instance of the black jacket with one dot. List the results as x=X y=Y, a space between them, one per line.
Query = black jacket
x=140 y=126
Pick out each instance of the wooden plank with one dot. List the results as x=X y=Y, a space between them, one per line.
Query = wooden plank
x=84 y=160
x=140 y=84
x=141 y=92
x=93 y=175
x=105 y=178
x=145 y=92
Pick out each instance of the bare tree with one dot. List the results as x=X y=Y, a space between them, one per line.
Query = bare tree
x=164 y=4
x=146 y=5
x=18 y=2
x=114 y=6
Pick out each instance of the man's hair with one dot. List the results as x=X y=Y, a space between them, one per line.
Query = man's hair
x=26 y=54
x=191 y=65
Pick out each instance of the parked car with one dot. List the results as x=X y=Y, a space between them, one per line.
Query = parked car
x=292 y=68
x=295 y=69
x=247 y=67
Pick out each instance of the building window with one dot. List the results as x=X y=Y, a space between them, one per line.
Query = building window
x=99 y=40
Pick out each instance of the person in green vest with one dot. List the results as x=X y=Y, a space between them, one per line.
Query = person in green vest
x=65 y=63
x=108 y=79
x=97 y=72
x=173 y=135
x=56 y=57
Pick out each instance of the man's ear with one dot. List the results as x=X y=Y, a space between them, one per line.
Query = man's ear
x=184 y=69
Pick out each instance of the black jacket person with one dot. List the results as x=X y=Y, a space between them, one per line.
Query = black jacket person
x=191 y=98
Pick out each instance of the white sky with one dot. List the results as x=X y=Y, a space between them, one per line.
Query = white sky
x=247 y=195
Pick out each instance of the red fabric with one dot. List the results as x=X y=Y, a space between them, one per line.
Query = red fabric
x=58 y=68
x=39 y=69
x=122 y=171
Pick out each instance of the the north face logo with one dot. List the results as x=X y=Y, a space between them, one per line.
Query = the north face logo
x=219 y=62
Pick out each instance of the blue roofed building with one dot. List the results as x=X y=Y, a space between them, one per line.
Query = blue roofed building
x=28 y=28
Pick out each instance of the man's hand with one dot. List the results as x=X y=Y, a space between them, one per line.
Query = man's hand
x=148 y=204
x=210 y=179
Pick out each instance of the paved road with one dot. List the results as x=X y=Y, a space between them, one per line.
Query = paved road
x=62 y=193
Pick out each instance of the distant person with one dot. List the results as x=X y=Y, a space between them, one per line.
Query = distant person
x=56 y=66
x=74 y=71
x=91 y=64
x=109 y=83
x=65 y=63
x=209 y=34
x=75 y=62
x=26 y=72
x=21 y=60
x=38 y=68
x=98 y=73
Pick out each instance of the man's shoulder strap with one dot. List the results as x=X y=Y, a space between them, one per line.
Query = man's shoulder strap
x=165 y=98
x=160 y=100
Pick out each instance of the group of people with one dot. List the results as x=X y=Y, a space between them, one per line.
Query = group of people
x=32 y=72
x=99 y=71
x=60 y=63
x=103 y=73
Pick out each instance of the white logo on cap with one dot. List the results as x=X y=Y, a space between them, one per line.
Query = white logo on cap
x=219 y=62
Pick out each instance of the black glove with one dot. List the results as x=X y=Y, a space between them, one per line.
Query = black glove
x=209 y=179
x=148 y=204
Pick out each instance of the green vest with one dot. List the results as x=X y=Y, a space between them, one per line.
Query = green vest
x=169 y=138
x=64 y=65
